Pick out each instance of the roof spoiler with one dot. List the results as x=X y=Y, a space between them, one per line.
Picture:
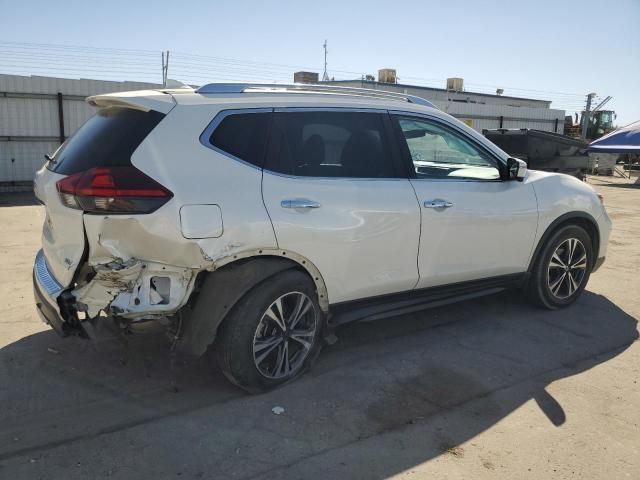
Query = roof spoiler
x=143 y=100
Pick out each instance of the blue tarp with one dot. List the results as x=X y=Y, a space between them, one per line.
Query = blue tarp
x=622 y=140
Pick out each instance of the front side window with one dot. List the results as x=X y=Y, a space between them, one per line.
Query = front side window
x=243 y=135
x=329 y=144
x=438 y=152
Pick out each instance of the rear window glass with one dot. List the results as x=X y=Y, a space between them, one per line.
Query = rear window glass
x=243 y=135
x=330 y=144
x=108 y=139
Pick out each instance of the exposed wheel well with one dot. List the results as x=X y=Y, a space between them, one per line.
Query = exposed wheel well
x=580 y=219
x=219 y=291
x=280 y=264
x=283 y=257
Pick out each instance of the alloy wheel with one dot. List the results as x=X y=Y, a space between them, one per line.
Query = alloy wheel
x=285 y=335
x=567 y=268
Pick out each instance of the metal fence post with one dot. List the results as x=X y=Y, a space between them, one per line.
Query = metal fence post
x=61 y=118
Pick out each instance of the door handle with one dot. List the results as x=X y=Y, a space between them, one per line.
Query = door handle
x=437 y=203
x=299 y=203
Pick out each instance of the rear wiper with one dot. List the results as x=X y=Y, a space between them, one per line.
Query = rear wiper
x=49 y=158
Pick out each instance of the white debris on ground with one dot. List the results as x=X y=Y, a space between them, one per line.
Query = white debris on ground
x=277 y=410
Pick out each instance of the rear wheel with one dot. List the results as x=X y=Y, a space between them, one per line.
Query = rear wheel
x=273 y=334
x=562 y=269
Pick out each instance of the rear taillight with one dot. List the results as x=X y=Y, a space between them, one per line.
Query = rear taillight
x=112 y=190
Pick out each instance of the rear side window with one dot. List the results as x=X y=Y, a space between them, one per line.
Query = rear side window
x=330 y=144
x=108 y=139
x=243 y=135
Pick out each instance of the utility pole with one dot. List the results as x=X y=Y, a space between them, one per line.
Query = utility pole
x=586 y=118
x=165 y=67
x=325 y=75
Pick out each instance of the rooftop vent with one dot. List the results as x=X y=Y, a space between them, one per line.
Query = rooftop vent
x=387 y=75
x=305 y=77
x=455 y=84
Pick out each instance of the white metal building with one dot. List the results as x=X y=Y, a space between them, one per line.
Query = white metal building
x=37 y=114
x=478 y=110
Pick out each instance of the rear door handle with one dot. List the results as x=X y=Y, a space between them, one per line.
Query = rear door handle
x=299 y=203
x=437 y=203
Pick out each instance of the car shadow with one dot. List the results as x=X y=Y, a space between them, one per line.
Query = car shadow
x=18 y=199
x=460 y=368
x=601 y=182
x=635 y=185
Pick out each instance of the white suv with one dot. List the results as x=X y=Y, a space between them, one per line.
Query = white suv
x=256 y=217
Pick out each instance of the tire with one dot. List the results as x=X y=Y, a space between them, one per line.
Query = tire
x=558 y=278
x=250 y=334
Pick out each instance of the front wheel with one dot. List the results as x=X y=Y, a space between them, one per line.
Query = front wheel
x=273 y=334
x=562 y=269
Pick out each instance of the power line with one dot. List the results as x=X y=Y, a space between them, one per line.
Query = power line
x=111 y=69
x=106 y=61
x=53 y=46
x=65 y=61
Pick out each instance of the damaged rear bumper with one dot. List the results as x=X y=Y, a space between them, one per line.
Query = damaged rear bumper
x=49 y=296
x=133 y=290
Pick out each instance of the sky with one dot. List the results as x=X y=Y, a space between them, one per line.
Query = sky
x=556 y=50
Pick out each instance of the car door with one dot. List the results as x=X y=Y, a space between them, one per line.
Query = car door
x=474 y=224
x=336 y=195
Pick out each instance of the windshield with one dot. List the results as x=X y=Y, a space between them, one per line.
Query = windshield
x=606 y=119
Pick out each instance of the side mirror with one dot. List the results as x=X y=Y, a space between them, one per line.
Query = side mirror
x=516 y=169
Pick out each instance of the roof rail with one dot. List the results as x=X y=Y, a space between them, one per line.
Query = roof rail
x=306 y=87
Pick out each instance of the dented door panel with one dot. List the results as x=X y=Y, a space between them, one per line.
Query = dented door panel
x=235 y=187
x=120 y=245
x=154 y=238
x=144 y=266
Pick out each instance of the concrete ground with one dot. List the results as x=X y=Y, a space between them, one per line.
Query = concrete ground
x=489 y=388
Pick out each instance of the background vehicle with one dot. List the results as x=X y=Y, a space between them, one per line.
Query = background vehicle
x=546 y=151
x=568 y=153
x=600 y=123
x=254 y=217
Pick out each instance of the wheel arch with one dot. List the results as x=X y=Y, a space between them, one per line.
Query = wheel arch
x=234 y=276
x=581 y=219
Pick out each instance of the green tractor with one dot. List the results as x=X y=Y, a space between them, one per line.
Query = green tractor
x=600 y=123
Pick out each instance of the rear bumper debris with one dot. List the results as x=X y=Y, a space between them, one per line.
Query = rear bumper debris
x=53 y=303
x=135 y=289
x=47 y=309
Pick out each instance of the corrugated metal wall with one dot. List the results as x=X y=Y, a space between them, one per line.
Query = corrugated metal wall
x=442 y=95
x=479 y=116
x=29 y=118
